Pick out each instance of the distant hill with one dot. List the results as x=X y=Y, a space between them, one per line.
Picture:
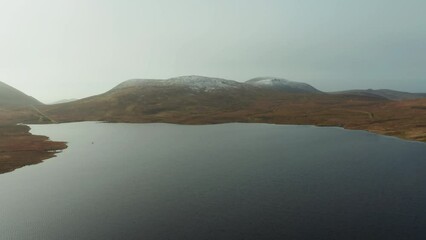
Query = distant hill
x=200 y=83
x=282 y=85
x=11 y=97
x=384 y=93
x=198 y=99
x=138 y=99
x=194 y=83
x=64 y=101
x=182 y=98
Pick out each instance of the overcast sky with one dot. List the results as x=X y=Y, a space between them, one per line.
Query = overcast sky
x=58 y=49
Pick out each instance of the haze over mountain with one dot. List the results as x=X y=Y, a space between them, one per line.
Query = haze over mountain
x=202 y=83
x=89 y=46
x=11 y=97
x=385 y=93
x=160 y=88
x=198 y=83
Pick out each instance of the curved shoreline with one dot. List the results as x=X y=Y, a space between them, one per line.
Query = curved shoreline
x=19 y=148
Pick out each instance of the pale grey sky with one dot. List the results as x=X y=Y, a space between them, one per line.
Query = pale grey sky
x=58 y=49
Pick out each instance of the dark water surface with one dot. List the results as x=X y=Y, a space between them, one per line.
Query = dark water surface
x=231 y=181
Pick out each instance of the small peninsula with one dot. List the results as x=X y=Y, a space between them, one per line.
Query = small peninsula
x=19 y=148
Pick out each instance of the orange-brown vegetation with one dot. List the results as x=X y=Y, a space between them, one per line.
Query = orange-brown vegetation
x=19 y=148
x=405 y=119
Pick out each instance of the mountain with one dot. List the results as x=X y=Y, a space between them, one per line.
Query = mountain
x=205 y=84
x=183 y=99
x=202 y=100
x=11 y=97
x=282 y=85
x=140 y=100
x=195 y=83
x=384 y=93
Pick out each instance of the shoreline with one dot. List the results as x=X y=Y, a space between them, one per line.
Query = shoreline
x=403 y=119
x=20 y=148
x=351 y=128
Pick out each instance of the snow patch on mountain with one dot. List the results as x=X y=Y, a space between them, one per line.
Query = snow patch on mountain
x=196 y=83
x=281 y=84
x=204 y=83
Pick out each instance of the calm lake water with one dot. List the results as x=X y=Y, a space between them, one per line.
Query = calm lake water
x=231 y=181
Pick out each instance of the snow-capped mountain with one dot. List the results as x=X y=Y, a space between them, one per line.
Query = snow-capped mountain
x=197 y=83
x=282 y=84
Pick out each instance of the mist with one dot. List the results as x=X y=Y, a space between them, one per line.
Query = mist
x=56 y=50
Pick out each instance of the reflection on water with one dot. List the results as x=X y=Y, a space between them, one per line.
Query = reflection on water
x=231 y=181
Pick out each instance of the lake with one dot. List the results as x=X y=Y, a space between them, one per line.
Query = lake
x=229 y=181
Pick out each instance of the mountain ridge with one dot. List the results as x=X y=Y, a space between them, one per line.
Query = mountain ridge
x=194 y=82
x=202 y=83
x=12 y=97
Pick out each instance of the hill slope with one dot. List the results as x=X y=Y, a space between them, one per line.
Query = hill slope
x=11 y=97
x=170 y=100
x=282 y=85
x=195 y=83
x=385 y=93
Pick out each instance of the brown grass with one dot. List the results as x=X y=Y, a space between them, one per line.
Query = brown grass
x=19 y=148
x=404 y=119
